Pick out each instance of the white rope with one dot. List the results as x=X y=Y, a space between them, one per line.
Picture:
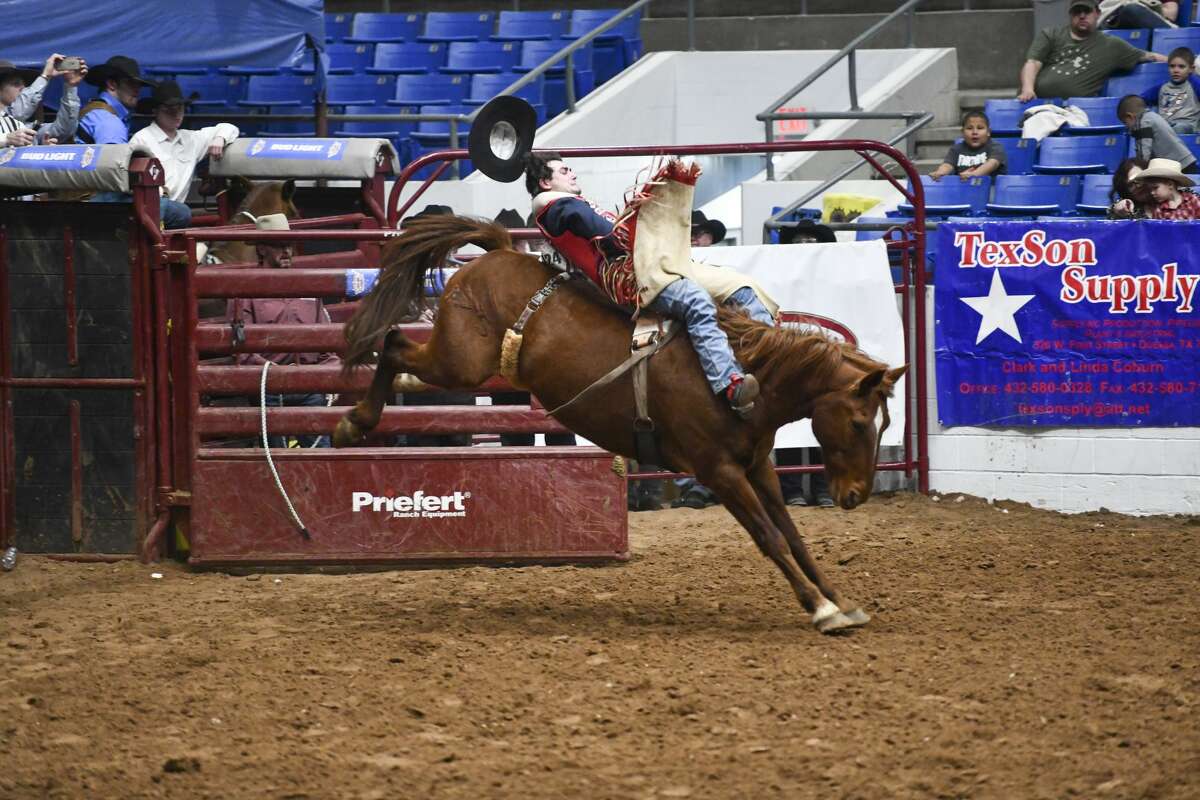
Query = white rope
x=262 y=393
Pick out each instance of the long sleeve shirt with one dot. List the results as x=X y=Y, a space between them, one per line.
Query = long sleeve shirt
x=27 y=101
x=100 y=127
x=64 y=125
x=180 y=154
x=279 y=311
x=1155 y=139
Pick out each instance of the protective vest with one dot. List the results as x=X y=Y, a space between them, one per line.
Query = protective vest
x=583 y=253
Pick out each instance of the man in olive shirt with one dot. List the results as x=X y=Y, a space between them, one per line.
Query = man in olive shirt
x=1076 y=60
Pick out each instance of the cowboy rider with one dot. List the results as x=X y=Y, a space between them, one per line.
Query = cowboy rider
x=583 y=234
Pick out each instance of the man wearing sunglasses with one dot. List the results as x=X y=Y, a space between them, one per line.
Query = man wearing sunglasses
x=1076 y=60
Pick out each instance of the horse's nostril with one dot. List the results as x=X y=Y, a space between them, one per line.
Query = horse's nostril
x=852 y=499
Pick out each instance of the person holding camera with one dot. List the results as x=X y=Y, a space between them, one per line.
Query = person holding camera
x=20 y=93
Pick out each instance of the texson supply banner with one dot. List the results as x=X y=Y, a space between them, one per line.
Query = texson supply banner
x=1068 y=323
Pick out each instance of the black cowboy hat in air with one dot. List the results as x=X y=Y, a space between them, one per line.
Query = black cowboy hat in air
x=715 y=228
x=9 y=69
x=116 y=67
x=501 y=137
x=166 y=93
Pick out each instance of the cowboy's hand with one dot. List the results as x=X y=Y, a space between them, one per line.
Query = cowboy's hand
x=75 y=76
x=51 y=69
x=1026 y=96
x=21 y=137
x=217 y=148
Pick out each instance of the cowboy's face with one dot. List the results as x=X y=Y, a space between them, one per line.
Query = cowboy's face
x=1083 y=20
x=562 y=179
x=701 y=237
x=274 y=256
x=169 y=117
x=10 y=90
x=126 y=90
x=1161 y=190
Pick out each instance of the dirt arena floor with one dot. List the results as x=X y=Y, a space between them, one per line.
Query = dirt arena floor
x=1013 y=653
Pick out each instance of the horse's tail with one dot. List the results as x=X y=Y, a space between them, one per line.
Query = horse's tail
x=424 y=245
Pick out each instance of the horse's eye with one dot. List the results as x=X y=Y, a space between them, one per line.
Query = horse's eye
x=859 y=426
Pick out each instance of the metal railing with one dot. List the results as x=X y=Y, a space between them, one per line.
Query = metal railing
x=849 y=52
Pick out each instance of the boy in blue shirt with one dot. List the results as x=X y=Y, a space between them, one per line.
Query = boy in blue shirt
x=1178 y=99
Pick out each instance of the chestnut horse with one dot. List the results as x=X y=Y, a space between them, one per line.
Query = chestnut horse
x=575 y=338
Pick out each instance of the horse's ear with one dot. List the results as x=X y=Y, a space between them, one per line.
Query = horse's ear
x=239 y=189
x=870 y=382
x=287 y=190
x=896 y=374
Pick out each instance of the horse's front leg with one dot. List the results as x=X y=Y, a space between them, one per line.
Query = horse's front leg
x=364 y=415
x=766 y=486
x=734 y=489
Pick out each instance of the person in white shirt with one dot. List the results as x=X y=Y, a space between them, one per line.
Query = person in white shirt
x=20 y=92
x=178 y=150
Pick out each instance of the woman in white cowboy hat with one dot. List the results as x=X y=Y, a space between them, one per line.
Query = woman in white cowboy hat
x=1164 y=180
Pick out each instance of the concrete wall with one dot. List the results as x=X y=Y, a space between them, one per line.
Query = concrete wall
x=1131 y=471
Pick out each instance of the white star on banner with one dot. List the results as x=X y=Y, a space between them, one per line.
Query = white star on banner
x=997 y=309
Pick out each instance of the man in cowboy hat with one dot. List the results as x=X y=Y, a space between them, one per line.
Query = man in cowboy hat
x=21 y=91
x=105 y=120
x=177 y=149
x=705 y=231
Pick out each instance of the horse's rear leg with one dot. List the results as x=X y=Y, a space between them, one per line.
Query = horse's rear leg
x=766 y=485
x=740 y=497
x=359 y=420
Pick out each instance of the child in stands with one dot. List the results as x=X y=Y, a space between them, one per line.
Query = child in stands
x=976 y=155
x=1178 y=99
x=1130 y=199
x=1165 y=182
x=1152 y=136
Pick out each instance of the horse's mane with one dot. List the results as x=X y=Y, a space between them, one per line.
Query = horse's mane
x=763 y=349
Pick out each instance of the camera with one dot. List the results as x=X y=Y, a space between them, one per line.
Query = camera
x=70 y=63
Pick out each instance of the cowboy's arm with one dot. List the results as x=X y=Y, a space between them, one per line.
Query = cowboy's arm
x=66 y=122
x=104 y=128
x=217 y=136
x=575 y=215
x=27 y=101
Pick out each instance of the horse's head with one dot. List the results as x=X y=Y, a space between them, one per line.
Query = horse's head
x=849 y=423
x=264 y=197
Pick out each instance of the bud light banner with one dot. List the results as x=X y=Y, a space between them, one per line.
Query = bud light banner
x=1068 y=323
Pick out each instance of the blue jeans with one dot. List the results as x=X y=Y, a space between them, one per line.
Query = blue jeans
x=749 y=302
x=305 y=440
x=685 y=300
x=174 y=214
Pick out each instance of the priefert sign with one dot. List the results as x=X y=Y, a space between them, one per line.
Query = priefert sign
x=417 y=504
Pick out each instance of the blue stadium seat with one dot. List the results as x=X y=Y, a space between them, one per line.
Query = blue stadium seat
x=1004 y=116
x=268 y=71
x=213 y=90
x=485 y=87
x=171 y=71
x=1191 y=140
x=1019 y=155
x=616 y=48
x=285 y=90
x=337 y=26
x=457 y=26
x=1102 y=116
x=347 y=90
x=1096 y=195
x=290 y=127
x=953 y=196
x=435 y=134
x=346 y=58
x=532 y=25
x=398 y=131
x=1138 y=37
x=416 y=90
x=1138 y=80
x=482 y=56
x=1078 y=154
x=408 y=58
x=373 y=28
x=1164 y=40
x=1018 y=195
x=535 y=52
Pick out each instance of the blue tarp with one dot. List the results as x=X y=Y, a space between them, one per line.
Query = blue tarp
x=262 y=33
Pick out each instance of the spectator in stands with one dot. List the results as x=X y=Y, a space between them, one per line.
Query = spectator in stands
x=1076 y=60
x=177 y=149
x=706 y=232
x=1152 y=135
x=976 y=155
x=21 y=92
x=1178 y=100
x=1132 y=14
x=1164 y=180
x=282 y=311
x=105 y=120
x=1130 y=200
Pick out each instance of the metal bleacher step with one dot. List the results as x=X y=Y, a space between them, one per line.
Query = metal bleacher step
x=973 y=99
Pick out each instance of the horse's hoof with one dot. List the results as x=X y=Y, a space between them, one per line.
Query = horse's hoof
x=347 y=433
x=835 y=623
x=857 y=616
